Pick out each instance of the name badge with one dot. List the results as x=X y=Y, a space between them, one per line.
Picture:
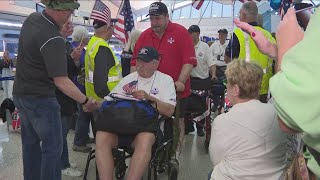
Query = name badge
x=90 y=79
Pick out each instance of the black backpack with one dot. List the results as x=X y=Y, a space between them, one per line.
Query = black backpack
x=6 y=104
x=127 y=117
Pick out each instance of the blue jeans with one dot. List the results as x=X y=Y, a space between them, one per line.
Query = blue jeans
x=40 y=122
x=65 y=153
x=82 y=127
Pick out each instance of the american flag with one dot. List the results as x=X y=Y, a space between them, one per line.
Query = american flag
x=285 y=5
x=125 y=22
x=128 y=88
x=197 y=3
x=101 y=12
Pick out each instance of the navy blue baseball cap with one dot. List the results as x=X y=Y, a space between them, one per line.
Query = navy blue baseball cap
x=147 y=54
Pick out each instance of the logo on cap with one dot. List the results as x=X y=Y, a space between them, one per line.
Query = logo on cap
x=154 y=7
x=143 y=51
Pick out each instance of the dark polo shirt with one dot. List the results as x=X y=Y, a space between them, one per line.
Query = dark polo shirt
x=41 y=56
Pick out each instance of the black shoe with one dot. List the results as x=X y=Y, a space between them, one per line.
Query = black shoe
x=200 y=132
x=84 y=149
x=90 y=141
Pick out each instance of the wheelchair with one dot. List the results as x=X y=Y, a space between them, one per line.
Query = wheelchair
x=160 y=161
x=199 y=106
x=217 y=97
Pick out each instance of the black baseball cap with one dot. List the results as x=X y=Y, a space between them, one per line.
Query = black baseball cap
x=224 y=31
x=147 y=54
x=98 y=24
x=194 y=28
x=157 y=8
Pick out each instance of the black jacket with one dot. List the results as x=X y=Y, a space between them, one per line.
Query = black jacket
x=68 y=105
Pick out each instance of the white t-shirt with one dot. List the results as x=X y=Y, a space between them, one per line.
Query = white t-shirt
x=159 y=85
x=218 y=49
x=204 y=61
x=247 y=143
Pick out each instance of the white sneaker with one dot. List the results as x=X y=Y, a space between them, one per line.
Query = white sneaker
x=71 y=172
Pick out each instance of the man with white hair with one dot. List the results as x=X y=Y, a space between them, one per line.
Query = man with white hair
x=102 y=70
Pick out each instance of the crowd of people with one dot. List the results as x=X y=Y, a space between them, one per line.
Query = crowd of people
x=56 y=78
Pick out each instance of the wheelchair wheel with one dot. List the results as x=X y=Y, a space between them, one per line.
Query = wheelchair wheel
x=173 y=170
x=120 y=170
x=173 y=173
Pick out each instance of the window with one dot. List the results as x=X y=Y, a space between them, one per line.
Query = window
x=227 y=11
x=206 y=12
x=216 y=9
x=195 y=13
x=176 y=14
x=185 y=12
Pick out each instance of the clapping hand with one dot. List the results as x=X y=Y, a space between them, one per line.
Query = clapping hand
x=76 y=53
x=140 y=94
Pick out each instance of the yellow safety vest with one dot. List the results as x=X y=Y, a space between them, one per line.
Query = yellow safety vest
x=247 y=46
x=114 y=75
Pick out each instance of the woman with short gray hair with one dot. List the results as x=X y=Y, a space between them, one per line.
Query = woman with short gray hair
x=80 y=34
x=246 y=142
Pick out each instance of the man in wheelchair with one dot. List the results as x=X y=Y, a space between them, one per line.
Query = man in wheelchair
x=146 y=84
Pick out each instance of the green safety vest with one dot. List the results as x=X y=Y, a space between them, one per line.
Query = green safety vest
x=247 y=46
x=114 y=75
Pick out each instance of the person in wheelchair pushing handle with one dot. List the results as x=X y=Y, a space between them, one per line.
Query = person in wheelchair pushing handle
x=146 y=84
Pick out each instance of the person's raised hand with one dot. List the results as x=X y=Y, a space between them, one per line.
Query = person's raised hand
x=263 y=44
x=67 y=29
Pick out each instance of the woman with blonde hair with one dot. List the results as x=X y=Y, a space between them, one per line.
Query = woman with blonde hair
x=7 y=65
x=246 y=142
x=128 y=51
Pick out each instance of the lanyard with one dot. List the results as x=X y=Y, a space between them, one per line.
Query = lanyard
x=155 y=74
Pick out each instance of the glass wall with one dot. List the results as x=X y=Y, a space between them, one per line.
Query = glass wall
x=216 y=9
x=209 y=9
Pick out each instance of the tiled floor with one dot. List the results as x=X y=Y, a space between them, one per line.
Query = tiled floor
x=194 y=162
